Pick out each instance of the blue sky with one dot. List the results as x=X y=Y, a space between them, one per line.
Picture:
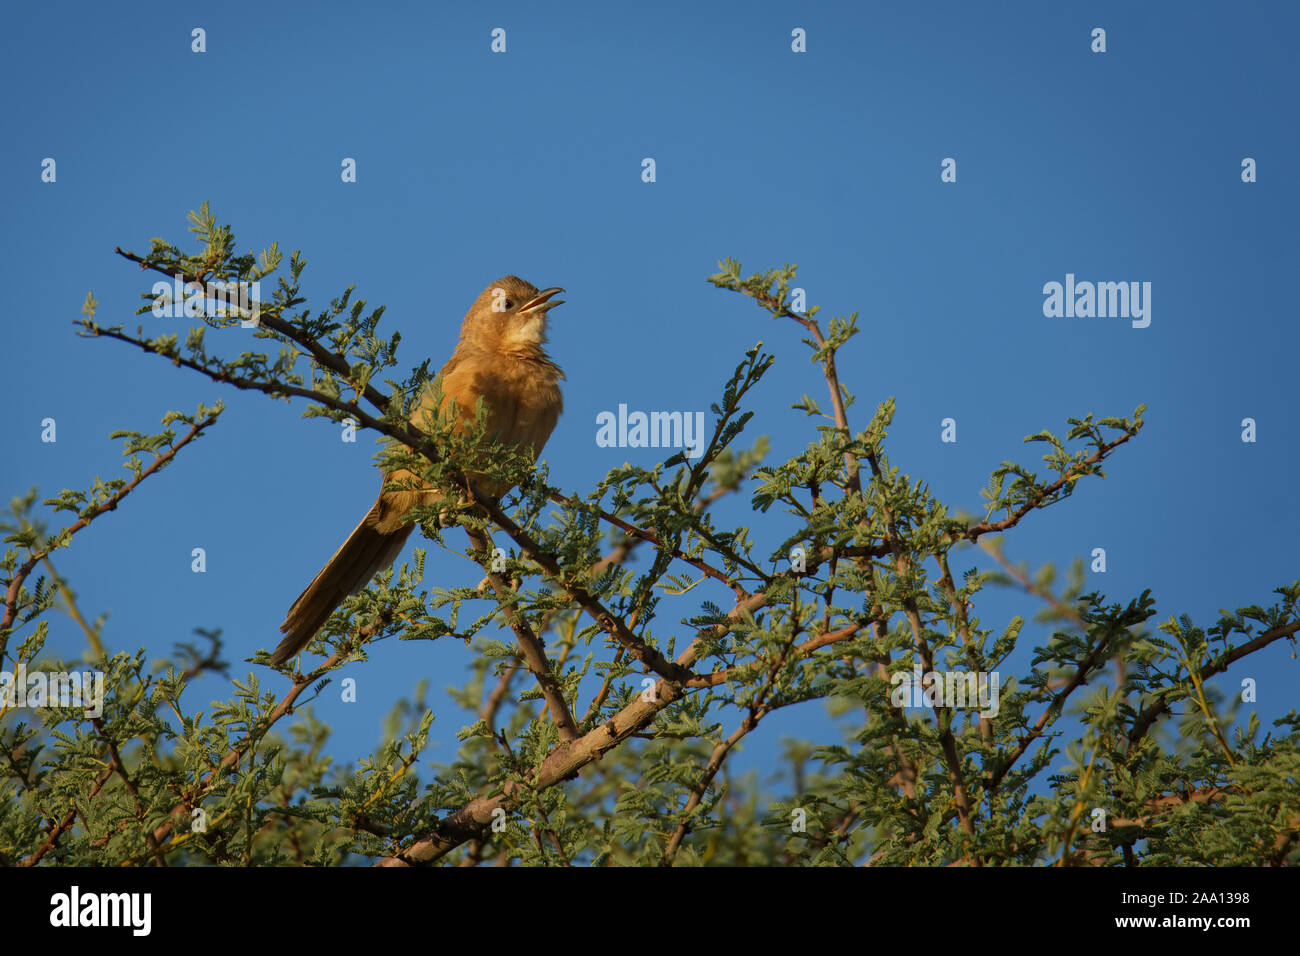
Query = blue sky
x=1122 y=166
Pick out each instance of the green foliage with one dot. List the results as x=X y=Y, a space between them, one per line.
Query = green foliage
x=1110 y=744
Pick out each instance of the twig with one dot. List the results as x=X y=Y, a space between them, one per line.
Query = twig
x=109 y=504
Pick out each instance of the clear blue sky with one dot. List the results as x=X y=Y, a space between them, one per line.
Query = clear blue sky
x=1122 y=166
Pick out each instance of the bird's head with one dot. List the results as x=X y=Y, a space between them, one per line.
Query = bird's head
x=509 y=316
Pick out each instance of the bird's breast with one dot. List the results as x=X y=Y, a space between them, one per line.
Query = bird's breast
x=521 y=395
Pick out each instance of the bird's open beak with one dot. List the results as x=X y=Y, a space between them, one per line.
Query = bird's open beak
x=542 y=301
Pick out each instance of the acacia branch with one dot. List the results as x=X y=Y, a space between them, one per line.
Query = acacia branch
x=1096 y=657
x=758 y=709
x=472 y=820
x=254 y=735
x=854 y=482
x=25 y=569
x=651 y=538
x=64 y=824
x=529 y=645
x=1155 y=710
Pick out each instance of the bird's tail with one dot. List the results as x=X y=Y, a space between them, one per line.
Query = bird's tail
x=366 y=551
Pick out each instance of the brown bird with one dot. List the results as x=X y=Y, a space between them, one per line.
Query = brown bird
x=499 y=358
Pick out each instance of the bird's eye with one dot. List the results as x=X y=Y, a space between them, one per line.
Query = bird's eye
x=509 y=305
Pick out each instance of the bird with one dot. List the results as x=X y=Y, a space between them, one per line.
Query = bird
x=499 y=358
